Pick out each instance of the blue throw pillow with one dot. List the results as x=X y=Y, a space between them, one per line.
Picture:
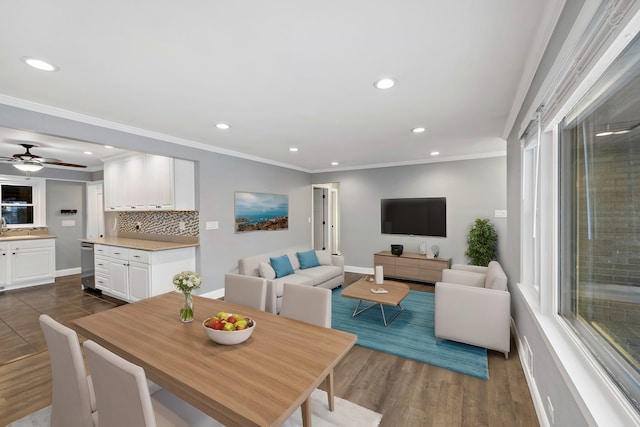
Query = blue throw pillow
x=281 y=265
x=308 y=259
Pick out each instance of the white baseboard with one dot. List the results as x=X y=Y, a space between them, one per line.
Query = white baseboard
x=68 y=272
x=360 y=270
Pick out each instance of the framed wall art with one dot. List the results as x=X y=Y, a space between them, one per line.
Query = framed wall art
x=261 y=212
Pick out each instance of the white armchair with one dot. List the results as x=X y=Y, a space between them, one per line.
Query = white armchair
x=473 y=306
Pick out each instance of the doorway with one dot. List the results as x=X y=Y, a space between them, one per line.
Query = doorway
x=325 y=213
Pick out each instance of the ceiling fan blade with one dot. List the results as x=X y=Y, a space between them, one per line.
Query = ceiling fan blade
x=45 y=160
x=58 y=163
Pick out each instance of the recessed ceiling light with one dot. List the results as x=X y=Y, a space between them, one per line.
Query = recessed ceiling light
x=88 y=153
x=435 y=153
x=39 y=64
x=334 y=163
x=108 y=146
x=222 y=126
x=385 y=83
x=604 y=133
x=418 y=130
x=293 y=149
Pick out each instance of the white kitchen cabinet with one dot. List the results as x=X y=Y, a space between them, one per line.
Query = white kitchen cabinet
x=139 y=281
x=170 y=183
x=27 y=262
x=132 y=274
x=149 y=182
x=113 y=186
x=135 y=183
x=4 y=264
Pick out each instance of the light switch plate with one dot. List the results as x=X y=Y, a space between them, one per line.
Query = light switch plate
x=211 y=225
x=500 y=213
x=68 y=223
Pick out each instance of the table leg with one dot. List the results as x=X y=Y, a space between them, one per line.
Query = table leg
x=357 y=310
x=384 y=318
x=306 y=412
x=329 y=382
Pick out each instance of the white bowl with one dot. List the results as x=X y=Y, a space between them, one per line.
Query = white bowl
x=228 y=337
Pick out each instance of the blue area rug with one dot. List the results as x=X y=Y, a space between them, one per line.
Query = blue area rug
x=410 y=335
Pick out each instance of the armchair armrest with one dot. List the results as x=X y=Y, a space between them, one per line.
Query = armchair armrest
x=463 y=277
x=476 y=316
x=472 y=268
x=338 y=260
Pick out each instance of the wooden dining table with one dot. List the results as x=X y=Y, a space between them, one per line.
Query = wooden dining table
x=260 y=382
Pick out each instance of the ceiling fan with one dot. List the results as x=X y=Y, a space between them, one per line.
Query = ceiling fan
x=28 y=162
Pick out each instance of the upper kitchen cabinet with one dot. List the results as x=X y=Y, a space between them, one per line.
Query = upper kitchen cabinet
x=149 y=182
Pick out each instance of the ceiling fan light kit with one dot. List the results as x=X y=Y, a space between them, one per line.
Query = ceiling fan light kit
x=28 y=166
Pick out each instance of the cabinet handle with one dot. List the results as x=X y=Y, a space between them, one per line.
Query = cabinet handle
x=116 y=253
x=136 y=256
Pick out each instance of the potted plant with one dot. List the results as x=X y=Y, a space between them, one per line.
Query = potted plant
x=481 y=242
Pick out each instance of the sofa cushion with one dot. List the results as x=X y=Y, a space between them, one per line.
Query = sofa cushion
x=324 y=257
x=321 y=273
x=281 y=265
x=496 y=279
x=267 y=271
x=296 y=279
x=308 y=259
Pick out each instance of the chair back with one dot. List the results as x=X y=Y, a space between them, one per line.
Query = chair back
x=245 y=290
x=122 y=394
x=307 y=304
x=71 y=396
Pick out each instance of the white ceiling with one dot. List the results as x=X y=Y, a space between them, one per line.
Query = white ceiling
x=282 y=73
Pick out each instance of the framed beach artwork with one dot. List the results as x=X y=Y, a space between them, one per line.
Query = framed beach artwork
x=261 y=212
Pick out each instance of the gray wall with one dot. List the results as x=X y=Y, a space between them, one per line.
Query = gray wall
x=473 y=188
x=217 y=177
x=66 y=195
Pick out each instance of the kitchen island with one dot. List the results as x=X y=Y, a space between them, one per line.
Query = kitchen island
x=135 y=269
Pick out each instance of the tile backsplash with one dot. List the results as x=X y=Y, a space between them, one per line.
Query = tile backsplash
x=160 y=222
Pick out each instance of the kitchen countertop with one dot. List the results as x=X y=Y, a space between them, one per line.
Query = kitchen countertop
x=141 y=244
x=12 y=238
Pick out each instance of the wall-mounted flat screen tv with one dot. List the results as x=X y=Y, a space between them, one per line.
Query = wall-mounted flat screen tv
x=425 y=216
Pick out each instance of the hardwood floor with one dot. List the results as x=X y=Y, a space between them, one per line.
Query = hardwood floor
x=406 y=392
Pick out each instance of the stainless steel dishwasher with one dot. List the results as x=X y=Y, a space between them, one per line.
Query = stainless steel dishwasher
x=87 y=269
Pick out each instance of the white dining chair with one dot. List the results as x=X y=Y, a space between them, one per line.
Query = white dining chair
x=245 y=290
x=123 y=398
x=72 y=400
x=311 y=305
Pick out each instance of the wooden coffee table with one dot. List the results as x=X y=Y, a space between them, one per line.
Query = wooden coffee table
x=361 y=290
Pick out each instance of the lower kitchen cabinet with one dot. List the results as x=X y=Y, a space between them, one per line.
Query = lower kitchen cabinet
x=27 y=263
x=132 y=274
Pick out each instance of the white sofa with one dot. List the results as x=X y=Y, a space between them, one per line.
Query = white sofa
x=473 y=306
x=329 y=274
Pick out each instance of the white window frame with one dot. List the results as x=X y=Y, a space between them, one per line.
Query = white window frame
x=530 y=208
x=38 y=188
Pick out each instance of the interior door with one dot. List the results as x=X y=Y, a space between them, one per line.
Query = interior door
x=325 y=230
x=95 y=210
x=320 y=233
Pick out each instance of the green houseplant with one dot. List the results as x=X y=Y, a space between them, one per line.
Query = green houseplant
x=481 y=242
